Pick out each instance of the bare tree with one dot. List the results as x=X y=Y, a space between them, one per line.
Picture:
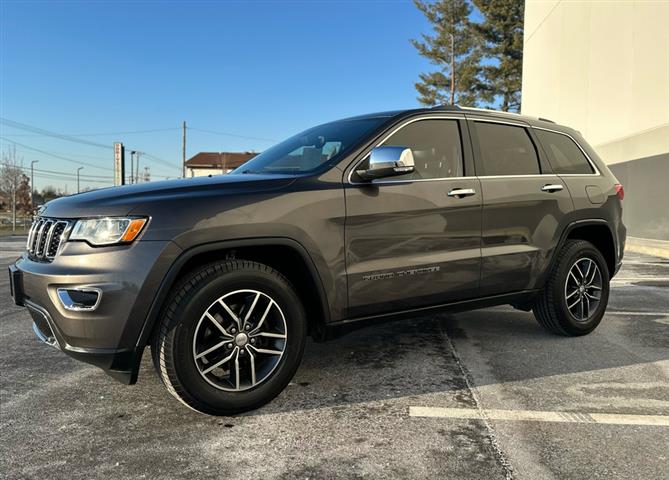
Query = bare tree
x=11 y=173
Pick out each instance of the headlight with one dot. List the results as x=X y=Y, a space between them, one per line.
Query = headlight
x=107 y=231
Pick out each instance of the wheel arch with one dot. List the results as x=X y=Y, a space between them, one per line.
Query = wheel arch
x=276 y=252
x=596 y=231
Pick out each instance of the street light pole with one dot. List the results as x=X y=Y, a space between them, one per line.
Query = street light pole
x=78 y=169
x=32 y=186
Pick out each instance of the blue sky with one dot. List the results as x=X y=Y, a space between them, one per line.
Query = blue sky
x=263 y=69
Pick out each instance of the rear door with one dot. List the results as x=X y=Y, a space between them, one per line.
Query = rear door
x=410 y=241
x=524 y=205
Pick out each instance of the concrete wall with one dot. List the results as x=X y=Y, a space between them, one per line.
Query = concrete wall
x=602 y=67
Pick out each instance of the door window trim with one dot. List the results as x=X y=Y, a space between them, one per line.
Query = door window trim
x=457 y=118
x=592 y=164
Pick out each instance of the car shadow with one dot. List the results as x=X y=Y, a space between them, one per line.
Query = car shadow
x=414 y=358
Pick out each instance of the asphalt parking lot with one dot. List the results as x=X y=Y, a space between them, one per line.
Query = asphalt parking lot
x=483 y=394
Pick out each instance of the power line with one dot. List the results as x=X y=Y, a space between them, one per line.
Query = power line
x=41 y=131
x=68 y=154
x=70 y=138
x=226 y=134
x=78 y=162
x=61 y=179
x=83 y=175
x=105 y=134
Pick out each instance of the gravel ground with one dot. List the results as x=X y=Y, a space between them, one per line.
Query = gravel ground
x=352 y=410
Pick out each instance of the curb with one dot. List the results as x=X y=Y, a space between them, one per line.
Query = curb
x=647 y=246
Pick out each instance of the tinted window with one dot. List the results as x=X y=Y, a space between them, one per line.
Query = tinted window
x=563 y=154
x=313 y=148
x=436 y=147
x=506 y=150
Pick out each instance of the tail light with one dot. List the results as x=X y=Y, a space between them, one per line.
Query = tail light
x=620 y=191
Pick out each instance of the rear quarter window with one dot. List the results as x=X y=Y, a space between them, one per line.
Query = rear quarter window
x=563 y=154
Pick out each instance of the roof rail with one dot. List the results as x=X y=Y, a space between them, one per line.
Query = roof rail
x=446 y=107
x=489 y=110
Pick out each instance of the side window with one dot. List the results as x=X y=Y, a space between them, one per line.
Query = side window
x=563 y=154
x=506 y=150
x=436 y=147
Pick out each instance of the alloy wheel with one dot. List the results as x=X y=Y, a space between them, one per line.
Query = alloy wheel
x=583 y=289
x=240 y=340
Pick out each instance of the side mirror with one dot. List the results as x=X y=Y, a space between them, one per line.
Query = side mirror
x=388 y=162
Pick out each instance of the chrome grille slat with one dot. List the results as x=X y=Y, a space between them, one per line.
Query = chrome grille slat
x=57 y=235
x=38 y=230
x=41 y=242
x=31 y=233
x=45 y=238
x=49 y=237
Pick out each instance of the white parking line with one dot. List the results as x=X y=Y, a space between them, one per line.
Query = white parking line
x=541 y=416
x=640 y=278
x=642 y=314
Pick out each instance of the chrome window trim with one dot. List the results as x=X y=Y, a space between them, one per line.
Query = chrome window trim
x=592 y=164
x=540 y=175
x=411 y=120
x=513 y=123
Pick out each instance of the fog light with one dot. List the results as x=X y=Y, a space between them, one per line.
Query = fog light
x=80 y=299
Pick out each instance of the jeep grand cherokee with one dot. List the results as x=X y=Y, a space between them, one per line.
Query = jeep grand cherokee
x=378 y=216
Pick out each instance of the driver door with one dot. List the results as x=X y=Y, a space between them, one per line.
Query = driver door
x=410 y=240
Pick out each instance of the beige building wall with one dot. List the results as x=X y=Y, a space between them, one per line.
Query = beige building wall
x=602 y=67
x=203 y=172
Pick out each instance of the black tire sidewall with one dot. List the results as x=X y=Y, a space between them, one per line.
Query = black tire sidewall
x=194 y=305
x=581 y=250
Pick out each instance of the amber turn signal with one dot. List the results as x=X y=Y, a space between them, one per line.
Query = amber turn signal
x=133 y=229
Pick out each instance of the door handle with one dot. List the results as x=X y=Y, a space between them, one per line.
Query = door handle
x=461 y=192
x=552 y=188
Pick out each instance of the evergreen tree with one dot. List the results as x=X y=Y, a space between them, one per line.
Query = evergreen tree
x=502 y=45
x=452 y=32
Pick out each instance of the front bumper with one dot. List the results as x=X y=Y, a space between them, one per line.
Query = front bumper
x=107 y=336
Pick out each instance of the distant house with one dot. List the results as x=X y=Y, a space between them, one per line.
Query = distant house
x=215 y=163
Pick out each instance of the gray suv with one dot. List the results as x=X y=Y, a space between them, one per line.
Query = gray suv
x=385 y=215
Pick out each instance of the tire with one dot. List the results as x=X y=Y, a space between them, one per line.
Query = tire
x=226 y=291
x=552 y=307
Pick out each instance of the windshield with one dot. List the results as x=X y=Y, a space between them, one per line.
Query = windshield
x=311 y=149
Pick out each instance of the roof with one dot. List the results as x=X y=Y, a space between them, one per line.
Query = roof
x=456 y=109
x=219 y=159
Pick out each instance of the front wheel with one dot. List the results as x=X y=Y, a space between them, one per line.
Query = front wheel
x=231 y=339
x=575 y=296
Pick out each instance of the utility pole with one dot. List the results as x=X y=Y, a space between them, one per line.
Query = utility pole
x=32 y=186
x=132 y=165
x=78 y=189
x=137 y=167
x=452 y=69
x=183 y=151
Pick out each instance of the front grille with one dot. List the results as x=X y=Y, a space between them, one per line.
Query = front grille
x=45 y=237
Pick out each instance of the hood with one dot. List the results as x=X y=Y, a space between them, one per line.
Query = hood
x=118 y=201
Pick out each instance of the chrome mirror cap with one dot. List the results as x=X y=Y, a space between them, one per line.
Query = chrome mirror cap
x=388 y=162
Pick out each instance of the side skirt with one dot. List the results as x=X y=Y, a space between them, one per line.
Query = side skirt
x=342 y=327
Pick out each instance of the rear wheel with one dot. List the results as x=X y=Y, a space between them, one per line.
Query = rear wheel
x=231 y=338
x=576 y=294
